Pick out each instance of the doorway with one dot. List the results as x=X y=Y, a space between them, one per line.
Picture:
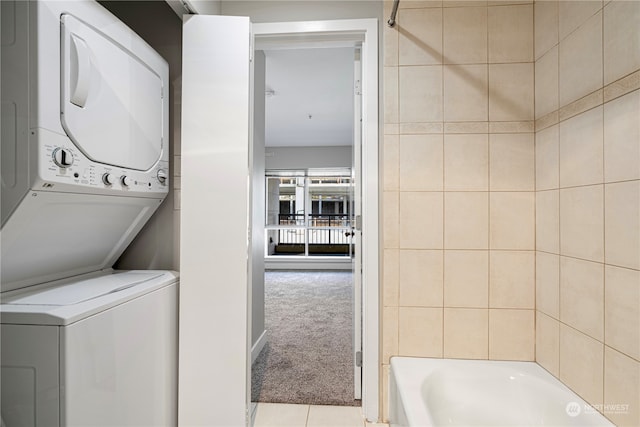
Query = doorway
x=215 y=149
x=311 y=102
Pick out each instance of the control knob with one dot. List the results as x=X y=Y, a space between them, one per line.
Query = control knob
x=62 y=157
x=162 y=176
x=109 y=179
x=125 y=180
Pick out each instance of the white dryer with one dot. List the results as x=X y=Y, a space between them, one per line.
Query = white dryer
x=84 y=165
x=84 y=138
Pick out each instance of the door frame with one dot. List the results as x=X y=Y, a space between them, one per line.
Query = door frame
x=215 y=342
x=356 y=232
x=338 y=33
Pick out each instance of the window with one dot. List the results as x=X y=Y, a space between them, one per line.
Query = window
x=309 y=213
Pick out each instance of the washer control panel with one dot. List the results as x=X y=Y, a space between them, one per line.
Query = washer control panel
x=62 y=157
x=64 y=164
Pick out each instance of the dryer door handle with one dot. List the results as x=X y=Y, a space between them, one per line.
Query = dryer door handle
x=80 y=75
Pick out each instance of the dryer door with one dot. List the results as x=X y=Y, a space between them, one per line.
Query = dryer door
x=112 y=102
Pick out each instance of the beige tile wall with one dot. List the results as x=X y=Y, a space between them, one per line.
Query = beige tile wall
x=587 y=152
x=459 y=182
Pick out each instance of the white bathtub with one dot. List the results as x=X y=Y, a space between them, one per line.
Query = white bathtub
x=450 y=392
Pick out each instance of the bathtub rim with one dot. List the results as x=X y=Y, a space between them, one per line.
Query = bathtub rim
x=411 y=382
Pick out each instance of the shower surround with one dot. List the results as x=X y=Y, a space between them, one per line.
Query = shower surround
x=510 y=226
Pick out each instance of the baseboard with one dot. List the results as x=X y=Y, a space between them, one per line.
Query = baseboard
x=307 y=263
x=258 y=346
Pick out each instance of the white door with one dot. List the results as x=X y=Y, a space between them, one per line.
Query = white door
x=215 y=227
x=356 y=175
x=214 y=334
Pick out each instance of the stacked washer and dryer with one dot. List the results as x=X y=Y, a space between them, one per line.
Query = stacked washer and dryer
x=85 y=162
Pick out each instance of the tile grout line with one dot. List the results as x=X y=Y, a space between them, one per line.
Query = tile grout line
x=559 y=212
x=488 y=188
x=535 y=199
x=575 y=104
x=604 y=210
x=306 y=421
x=442 y=60
x=397 y=317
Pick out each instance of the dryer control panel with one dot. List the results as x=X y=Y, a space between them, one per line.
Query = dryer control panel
x=63 y=167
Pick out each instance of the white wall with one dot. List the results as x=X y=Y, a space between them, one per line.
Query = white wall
x=307 y=157
x=312 y=10
x=204 y=7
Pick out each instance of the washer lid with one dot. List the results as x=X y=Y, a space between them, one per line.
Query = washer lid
x=77 y=292
x=111 y=100
x=68 y=301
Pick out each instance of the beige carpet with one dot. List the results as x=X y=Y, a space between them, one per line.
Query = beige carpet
x=308 y=356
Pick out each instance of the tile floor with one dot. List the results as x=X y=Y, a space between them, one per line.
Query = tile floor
x=280 y=415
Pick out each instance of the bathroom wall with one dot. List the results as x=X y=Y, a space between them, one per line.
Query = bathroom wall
x=467 y=197
x=156 y=247
x=459 y=182
x=588 y=200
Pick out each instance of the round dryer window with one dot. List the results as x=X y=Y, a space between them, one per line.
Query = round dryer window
x=112 y=101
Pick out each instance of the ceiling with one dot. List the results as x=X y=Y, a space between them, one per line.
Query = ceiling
x=309 y=97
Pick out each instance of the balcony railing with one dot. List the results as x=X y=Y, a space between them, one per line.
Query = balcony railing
x=325 y=234
x=316 y=220
x=322 y=229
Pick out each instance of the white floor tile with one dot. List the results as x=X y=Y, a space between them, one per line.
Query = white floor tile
x=335 y=416
x=280 y=415
x=368 y=424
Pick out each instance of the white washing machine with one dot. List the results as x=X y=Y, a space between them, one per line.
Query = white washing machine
x=99 y=351
x=85 y=162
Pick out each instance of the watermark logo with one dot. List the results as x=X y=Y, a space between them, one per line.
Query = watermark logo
x=611 y=408
x=573 y=409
